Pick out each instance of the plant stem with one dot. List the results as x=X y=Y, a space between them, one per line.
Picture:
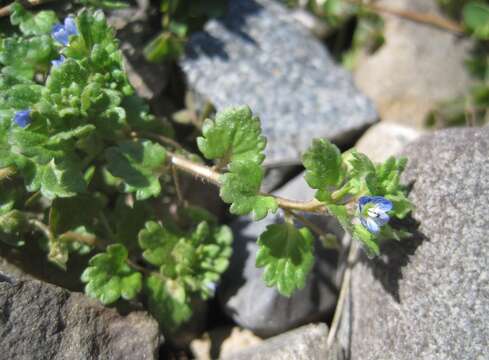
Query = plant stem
x=6 y=173
x=5 y=11
x=429 y=19
x=345 y=285
x=315 y=229
x=42 y=227
x=207 y=174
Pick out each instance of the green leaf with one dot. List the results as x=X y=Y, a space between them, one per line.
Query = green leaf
x=287 y=256
x=235 y=135
x=60 y=179
x=158 y=244
x=78 y=132
x=167 y=302
x=39 y=24
x=402 y=206
x=340 y=212
x=369 y=241
x=109 y=277
x=323 y=164
x=241 y=189
x=475 y=16
x=23 y=57
x=139 y=164
x=165 y=46
x=358 y=164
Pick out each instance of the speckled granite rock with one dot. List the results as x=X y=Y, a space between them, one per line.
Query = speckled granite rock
x=259 y=55
x=305 y=343
x=427 y=297
x=245 y=297
x=417 y=67
x=42 y=321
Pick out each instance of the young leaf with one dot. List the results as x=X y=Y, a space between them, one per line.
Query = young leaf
x=158 y=244
x=109 y=277
x=139 y=164
x=241 y=189
x=39 y=24
x=234 y=135
x=323 y=164
x=368 y=239
x=167 y=302
x=60 y=179
x=286 y=254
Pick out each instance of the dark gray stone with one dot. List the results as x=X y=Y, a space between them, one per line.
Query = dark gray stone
x=245 y=297
x=42 y=321
x=305 y=343
x=259 y=55
x=427 y=297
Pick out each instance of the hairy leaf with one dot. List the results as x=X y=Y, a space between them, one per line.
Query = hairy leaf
x=139 y=164
x=323 y=164
x=286 y=254
x=109 y=277
x=234 y=135
x=241 y=189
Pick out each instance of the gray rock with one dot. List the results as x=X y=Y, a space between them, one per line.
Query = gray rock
x=42 y=321
x=305 y=343
x=245 y=297
x=259 y=55
x=386 y=139
x=417 y=67
x=427 y=297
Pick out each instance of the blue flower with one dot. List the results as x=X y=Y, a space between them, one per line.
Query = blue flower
x=373 y=212
x=58 y=61
x=23 y=118
x=62 y=33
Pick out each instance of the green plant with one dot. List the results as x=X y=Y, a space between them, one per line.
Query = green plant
x=86 y=169
x=179 y=19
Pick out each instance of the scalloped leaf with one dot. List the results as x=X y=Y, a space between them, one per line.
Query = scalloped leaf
x=323 y=164
x=109 y=277
x=235 y=135
x=241 y=189
x=139 y=164
x=287 y=256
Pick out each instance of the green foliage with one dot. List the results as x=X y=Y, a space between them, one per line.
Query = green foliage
x=476 y=19
x=179 y=19
x=140 y=165
x=286 y=254
x=241 y=189
x=234 y=135
x=82 y=172
x=109 y=276
x=323 y=164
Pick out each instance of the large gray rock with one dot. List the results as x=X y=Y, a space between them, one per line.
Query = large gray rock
x=427 y=297
x=245 y=297
x=259 y=55
x=417 y=67
x=305 y=343
x=42 y=321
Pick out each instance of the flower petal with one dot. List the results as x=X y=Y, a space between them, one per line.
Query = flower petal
x=382 y=218
x=370 y=224
x=381 y=203
x=58 y=61
x=364 y=200
x=22 y=118
x=70 y=26
x=59 y=34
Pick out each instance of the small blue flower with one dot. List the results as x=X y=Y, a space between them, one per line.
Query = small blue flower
x=62 y=33
x=23 y=118
x=373 y=212
x=58 y=61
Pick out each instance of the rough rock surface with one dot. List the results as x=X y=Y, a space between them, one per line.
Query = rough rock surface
x=305 y=343
x=42 y=321
x=417 y=67
x=252 y=304
x=427 y=297
x=386 y=139
x=259 y=55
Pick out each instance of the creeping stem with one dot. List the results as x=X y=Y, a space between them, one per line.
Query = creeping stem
x=207 y=174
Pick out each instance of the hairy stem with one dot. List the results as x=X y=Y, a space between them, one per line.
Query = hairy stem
x=428 y=19
x=207 y=174
x=345 y=285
